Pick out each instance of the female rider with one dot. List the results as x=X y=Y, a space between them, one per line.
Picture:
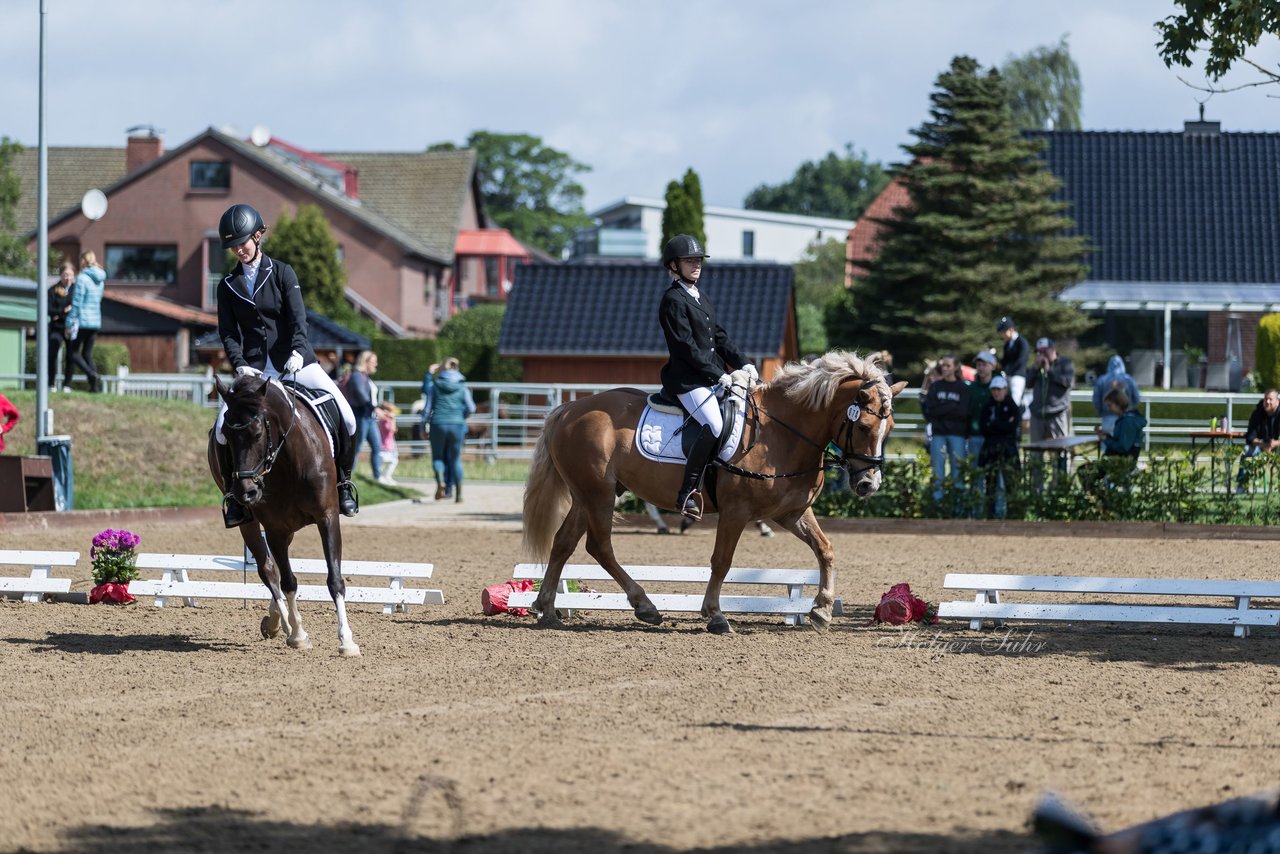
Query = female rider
x=263 y=326
x=701 y=355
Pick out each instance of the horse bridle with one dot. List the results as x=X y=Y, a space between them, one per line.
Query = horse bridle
x=264 y=466
x=829 y=460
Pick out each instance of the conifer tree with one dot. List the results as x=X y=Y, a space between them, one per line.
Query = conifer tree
x=981 y=238
x=307 y=244
x=683 y=214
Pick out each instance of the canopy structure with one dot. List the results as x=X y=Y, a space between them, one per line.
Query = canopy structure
x=1167 y=297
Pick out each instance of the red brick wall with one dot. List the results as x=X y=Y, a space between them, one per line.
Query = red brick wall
x=1248 y=336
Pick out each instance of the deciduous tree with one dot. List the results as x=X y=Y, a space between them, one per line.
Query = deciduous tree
x=307 y=244
x=15 y=260
x=528 y=187
x=1044 y=86
x=1226 y=28
x=838 y=186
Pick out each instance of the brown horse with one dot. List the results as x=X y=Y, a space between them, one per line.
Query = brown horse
x=586 y=456
x=283 y=472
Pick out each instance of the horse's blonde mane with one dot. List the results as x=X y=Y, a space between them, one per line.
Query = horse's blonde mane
x=814 y=384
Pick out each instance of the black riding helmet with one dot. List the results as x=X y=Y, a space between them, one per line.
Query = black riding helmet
x=238 y=224
x=681 y=246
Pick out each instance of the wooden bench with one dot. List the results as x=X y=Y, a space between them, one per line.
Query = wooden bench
x=986 y=604
x=40 y=565
x=794 y=605
x=175 y=581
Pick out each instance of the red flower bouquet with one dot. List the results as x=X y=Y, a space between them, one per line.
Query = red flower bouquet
x=899 y=606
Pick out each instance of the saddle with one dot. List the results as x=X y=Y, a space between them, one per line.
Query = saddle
x=664 y=419
x=322 y=403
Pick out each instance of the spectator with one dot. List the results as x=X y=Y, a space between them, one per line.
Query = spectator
x=946 y=409
x=1013 y=361
x=1262 y=434
x=1115 y=378
x=386 y=413
x=85 y=319
x=984 y=365
x=362 y=394
x=1050 y=380
x=61 y=293
x=8 y=418
x=1124 y=439
x=999 y=423
x=448 y=404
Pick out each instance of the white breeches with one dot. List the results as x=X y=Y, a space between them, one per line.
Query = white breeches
x=312 y=376
x=704 y=406
x=1017 y=385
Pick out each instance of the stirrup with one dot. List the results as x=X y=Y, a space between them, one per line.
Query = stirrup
x=692 y=512
x=234 y=514
x=348 y=498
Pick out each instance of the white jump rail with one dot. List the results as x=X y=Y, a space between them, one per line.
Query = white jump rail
x=175 y=581
x=986 y=604
x=40 y=581
x=793 y=606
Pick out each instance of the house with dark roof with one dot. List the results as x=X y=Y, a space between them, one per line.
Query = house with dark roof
x=1186 y=232
x=396 y=218
x=598 y=323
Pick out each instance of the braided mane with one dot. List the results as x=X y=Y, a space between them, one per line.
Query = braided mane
x=814 y=384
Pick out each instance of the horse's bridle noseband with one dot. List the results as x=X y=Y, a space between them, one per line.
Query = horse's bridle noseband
x=845 y=457
x=264 y=466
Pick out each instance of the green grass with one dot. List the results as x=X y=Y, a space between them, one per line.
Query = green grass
x=131 y=452
x=505 y=470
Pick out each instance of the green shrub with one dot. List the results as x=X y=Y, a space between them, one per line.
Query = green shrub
x=107 y=356
x=1267 y=351
x=405 y=358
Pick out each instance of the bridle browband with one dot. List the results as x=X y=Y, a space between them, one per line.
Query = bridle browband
x=264 y=466
x=843 y=459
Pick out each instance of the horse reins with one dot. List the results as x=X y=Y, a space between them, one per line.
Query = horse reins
x=829 y=460
x=264 y=466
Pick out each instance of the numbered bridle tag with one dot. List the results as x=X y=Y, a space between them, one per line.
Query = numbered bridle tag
x=855 y=412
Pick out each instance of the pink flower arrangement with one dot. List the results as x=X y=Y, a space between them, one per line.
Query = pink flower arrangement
x=114 y=565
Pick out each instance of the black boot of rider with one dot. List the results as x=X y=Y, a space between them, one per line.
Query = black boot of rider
x=234 y=514
x=689 y=502
x=348 y=498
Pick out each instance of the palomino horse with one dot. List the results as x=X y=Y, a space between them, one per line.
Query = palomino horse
x=285 y=475
x=586 y=456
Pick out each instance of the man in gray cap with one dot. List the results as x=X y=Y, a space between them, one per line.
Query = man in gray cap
x=1051 y=380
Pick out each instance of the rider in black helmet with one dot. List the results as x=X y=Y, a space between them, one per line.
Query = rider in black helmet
x=701 y=357
x=263 y=326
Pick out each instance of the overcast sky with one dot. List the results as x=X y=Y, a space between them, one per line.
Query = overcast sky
x=741 y=90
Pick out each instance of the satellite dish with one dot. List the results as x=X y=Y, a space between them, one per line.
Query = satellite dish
x=260 y=136
x=94 y=204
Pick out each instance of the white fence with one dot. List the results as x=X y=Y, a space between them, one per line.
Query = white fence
x=511 y=414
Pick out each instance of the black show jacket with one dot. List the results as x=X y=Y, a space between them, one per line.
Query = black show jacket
x=700 y=348
x=272 y=322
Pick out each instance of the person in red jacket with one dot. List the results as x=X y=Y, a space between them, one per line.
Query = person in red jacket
x=8 y=418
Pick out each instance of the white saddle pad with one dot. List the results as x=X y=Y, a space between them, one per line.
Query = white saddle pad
x=315 y=407
x=658 y=440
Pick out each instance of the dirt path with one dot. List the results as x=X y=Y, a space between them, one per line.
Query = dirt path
x=137 y=728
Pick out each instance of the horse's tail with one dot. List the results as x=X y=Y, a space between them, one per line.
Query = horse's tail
x=546 y=497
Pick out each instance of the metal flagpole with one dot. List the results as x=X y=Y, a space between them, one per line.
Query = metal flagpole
x=43 y=427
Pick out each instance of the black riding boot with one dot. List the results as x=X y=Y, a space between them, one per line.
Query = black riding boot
x=234 y=514
x=689 y=502
x=348 y=498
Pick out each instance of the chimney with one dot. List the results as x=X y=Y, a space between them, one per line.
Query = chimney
x=142 y=148
x=1201 y=128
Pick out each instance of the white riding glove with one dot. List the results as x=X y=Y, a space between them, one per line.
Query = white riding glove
x=293 y=364
x=248 y=371
x=724 y=382
x=752 y=373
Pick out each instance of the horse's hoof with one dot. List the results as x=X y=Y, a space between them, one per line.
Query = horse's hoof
x=719 y=625
x=647 y=613
x=819 y=622
x=549 y=620
x=268 y=632
x=300 y=643
x=352 y=650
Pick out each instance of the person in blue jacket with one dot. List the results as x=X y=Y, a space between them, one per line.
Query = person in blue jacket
x=85 y=319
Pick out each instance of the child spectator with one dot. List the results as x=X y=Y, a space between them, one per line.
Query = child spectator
x=1125 y=438
x=998 y=422
x=386 y=413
